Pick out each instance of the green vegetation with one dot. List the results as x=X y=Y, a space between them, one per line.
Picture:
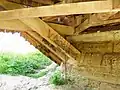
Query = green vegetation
x=28 y=64
x=57 y=78
x=37 y=75
x=31 y=64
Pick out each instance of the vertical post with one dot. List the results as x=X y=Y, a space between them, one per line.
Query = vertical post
x=66 y=72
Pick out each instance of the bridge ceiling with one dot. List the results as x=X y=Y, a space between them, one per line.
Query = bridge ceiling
x=63 y=27
x=83 y=33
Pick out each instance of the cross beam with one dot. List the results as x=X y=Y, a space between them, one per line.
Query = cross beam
x=55 y=10
x=96 y=37
x=14 y=25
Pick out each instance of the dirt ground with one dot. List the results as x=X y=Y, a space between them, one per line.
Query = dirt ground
x=8 y=82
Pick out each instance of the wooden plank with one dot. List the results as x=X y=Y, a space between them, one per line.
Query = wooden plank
x=56 y=51
x=9 y=6
x=26 y=2
x=14 y=25
x=41 y=47
x=55 y=10
x=96 y=37
x=31 y=40
x=62 y=29
x=54 y=58
x=44 y=1
x=83 y=26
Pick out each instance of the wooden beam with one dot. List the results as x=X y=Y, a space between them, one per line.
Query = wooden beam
x=62 y=29
x=31 y=40
x=96 y=37
x=32 y=2
x=55 y=50
x=41 y=47
x=19 y=26
x=9 y=6
x=83 y=26
x=105 y=16
x=101 y=22
x=52 y=37
x=116 y=3
x=26 y=2
x=95 y=47
x=93 y=20
x=44 y=1
x=14 y=25
x=55 y=10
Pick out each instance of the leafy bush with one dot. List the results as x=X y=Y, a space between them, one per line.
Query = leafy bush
x=16 y=64
x=21 y=68
x=57 y=79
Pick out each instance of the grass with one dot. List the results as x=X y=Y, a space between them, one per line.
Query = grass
x=37 y=75
x=57 y=78
x=16 y=64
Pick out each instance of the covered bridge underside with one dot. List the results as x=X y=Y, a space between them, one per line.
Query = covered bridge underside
x=83 y=34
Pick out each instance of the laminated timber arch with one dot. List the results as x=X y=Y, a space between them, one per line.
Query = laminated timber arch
x=67 y=35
